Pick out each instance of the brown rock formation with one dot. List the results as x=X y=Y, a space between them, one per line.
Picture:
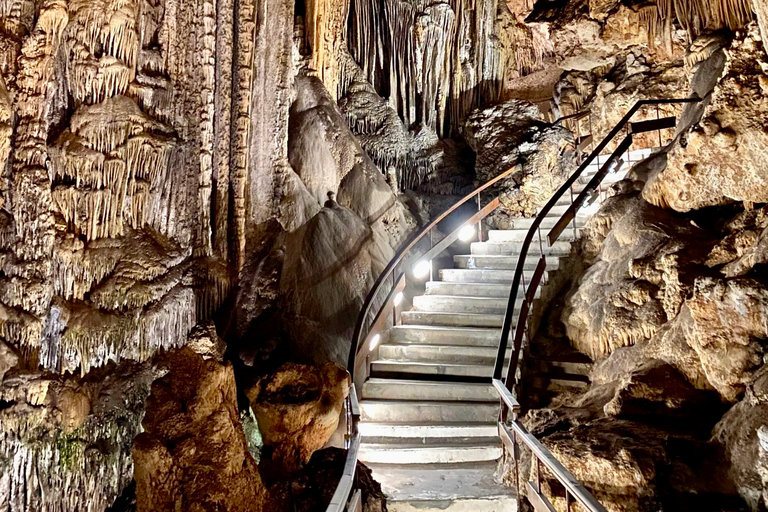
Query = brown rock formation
x=193 y=454
x=298 y=409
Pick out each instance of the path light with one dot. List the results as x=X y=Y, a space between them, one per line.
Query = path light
x=398 y=299
x=422 y=269
x=467 y=233
x=375 y=341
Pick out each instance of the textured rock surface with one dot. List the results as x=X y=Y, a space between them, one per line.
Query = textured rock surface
x=193 y=454
x=646 y=267
x=298 y=408
x=721 y=161
x=511 y=135
x=60 y=434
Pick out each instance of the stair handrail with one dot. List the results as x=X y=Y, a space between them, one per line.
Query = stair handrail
x=513 y=432
x=566 y=187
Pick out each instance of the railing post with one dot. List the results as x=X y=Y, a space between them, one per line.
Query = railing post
x=394 y=309
x=659 y=130
x=480 y=222
x=515 y=455
x=538 y=474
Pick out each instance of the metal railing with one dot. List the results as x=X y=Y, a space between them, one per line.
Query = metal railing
x=513 y=433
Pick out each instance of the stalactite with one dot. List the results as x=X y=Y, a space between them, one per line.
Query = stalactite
x=242 y=125
x=694 y=15
x=206 y=53
x=434 y=62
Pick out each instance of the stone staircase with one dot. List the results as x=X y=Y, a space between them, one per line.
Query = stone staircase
x=428 y=412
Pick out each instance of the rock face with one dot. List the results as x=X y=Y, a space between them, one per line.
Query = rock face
x=511 y=135
x=642 y=275
x=721 y=162
x=65 y=433
x=298 y=408
x=193 y=454
x=312 y=488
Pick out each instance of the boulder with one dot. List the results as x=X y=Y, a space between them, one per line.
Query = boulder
x=298 y=408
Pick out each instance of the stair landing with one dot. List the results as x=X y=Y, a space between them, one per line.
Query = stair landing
x=444 y=488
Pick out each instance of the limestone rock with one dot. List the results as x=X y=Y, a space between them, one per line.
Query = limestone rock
x=657 y=389
x=719 y=163
x=511 y=135
x=618 y=461
x=742 y=432
x=298 y=408
x=204 y=341
x=193 y=453
x=330 y=264
x=73 y=434
x=8 y=359
x=646 y=267
x=312 y=488
x=727 y=317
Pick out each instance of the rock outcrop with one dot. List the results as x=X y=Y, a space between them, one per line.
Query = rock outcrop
x=512 y=135
x=193 y=454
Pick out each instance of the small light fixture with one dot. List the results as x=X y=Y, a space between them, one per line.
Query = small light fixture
x=422 y=269
x=467 y=233
x=375 y=341
x=398 y=299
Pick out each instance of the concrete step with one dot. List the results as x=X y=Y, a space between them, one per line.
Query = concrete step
x=557 y=211
x=440 y=354
x=444 y=488
x=482 y=275
x=473 y=289
x=420 y=454
x=460 y=304
x=557 y=384
x=383 y=368
x=438 y=335
x=410 y=412
x=424 y=390
x=518 y=235
x=390 y=432
x=560 y=248
x=502 y=262
x=451 y=319
x=547 y=223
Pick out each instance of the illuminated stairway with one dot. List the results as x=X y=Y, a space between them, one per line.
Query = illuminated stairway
x=428 y=411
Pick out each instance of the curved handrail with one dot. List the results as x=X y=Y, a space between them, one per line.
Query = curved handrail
x=534 y=228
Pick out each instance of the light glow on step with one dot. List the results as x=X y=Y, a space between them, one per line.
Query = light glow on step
x=467 y=233
x=375 y=341
x=398 y=299
x=421 y=269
